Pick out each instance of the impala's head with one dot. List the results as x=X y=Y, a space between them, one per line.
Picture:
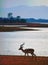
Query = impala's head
x=21 y=46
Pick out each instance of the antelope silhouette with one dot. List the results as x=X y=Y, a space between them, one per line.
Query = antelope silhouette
x=27 y=51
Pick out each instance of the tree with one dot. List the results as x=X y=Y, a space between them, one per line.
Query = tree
x=18 y=18
x=23 y=20
x=10 y=15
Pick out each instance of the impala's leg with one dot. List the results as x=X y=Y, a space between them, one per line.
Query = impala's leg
x=25 y=54
x=34 y=54
x=31 y=54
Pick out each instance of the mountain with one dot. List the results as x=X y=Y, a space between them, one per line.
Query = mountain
x=38 y=12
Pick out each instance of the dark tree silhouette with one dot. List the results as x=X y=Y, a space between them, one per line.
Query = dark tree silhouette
x=10 y=15
x=23 y=21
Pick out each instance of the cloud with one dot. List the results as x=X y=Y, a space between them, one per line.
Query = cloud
x=12 y=3
x=38 y=2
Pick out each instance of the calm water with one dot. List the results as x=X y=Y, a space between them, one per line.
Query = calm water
x=38 y=40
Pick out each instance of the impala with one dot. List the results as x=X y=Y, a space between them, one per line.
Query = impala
x=27 y=51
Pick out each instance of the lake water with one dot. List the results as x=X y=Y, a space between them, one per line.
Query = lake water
x=11 y=41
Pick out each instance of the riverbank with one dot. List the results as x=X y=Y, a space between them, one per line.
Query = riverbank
x=4 y=29
x=22 y=60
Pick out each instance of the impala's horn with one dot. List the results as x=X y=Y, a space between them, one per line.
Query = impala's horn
x=22 y=45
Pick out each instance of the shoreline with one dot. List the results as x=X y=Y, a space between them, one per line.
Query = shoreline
x=4 y=29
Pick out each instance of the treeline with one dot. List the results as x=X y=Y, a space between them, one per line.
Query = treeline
x=11 y=21
x=18 y=20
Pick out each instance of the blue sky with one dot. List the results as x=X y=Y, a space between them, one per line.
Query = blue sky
x=14 y=3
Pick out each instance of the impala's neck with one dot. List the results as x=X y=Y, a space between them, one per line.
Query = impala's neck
x=22 y=49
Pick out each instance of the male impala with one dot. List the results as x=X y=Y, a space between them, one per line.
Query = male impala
x=26 y=51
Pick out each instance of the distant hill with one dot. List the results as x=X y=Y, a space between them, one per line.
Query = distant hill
x=32 y=20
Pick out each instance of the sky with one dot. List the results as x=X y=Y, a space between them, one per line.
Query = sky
x=13 y=3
